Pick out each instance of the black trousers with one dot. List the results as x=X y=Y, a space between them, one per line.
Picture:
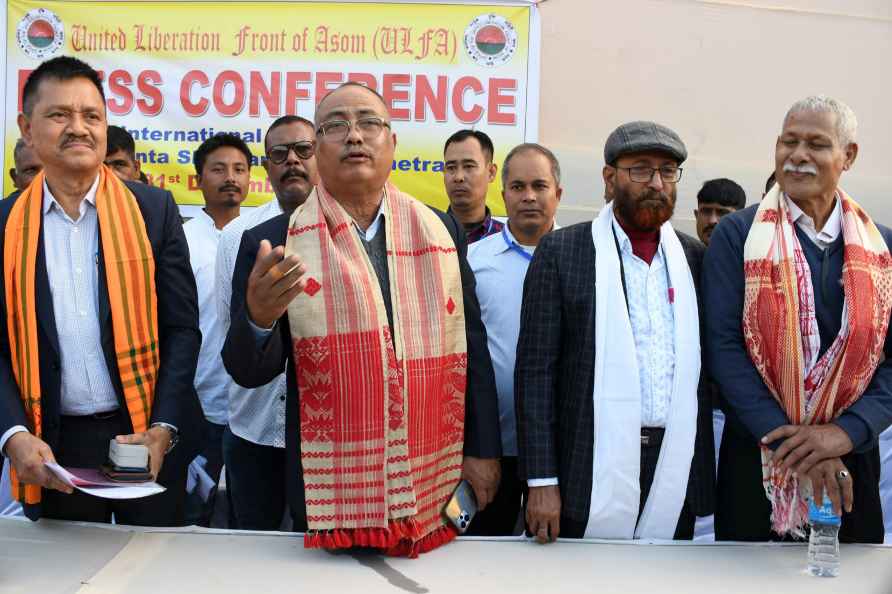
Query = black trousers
x=500 y=516
x=84 y=444
x=744 y=513
x=650 y=455
x=255 y=476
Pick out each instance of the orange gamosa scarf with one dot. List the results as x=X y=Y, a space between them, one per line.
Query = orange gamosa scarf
x=780 y=329
x=130 y=277
x=381 y=413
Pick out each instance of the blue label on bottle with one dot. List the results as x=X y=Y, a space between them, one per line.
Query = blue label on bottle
x=823 y=514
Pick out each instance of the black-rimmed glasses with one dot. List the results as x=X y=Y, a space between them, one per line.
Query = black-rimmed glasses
x=278 y=153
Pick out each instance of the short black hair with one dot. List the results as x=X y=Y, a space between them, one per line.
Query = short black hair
x=284 y=121
x=19 y=147
x=532 y=147
x=61 y=68
x=722 y=191
x=119 y=139
x=769 y=182
x=215 y=142
x=485 y=142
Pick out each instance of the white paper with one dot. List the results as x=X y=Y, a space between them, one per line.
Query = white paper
x=92 y=482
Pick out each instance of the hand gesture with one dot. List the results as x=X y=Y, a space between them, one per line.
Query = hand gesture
x=274 y=281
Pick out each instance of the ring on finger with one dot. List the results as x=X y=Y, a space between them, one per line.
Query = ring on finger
x=842 y=475
x=274 y=272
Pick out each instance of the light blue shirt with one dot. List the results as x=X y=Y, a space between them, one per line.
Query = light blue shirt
x=500 y=272
x=72 y=265
x=653 y=326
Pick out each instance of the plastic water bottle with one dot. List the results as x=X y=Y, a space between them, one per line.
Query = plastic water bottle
x=823 y=542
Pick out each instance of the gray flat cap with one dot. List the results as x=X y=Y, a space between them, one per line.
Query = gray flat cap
x=637 y=137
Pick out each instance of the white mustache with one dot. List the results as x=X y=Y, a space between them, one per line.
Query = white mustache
x=804 y=168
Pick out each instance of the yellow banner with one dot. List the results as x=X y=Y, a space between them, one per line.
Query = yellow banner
x=176 y=73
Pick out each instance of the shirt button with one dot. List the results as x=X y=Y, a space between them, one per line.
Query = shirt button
x=74 y=230
x=83 y=313
x=282 y=398
x=78 y=270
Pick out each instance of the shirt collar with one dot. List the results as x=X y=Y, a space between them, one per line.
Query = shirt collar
x=208 y=221
x=625 y=243
x=832 y=228
x=484 y=224
x=49 y=200
x=506 y=229
x=370 y=233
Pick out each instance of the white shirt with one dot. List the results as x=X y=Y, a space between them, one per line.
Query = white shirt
x=255 y=414
x=828 y=234
x=650 y=312
x=500 y=272
x=211 y=380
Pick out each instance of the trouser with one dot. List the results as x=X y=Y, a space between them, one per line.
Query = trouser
x=83 y=443
x=742 y=509
x=651 y=443
x=500 y=516
x=198 y=509
x=256 y=482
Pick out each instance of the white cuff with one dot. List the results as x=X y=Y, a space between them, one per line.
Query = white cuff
x=9 y=433
x=543 y=482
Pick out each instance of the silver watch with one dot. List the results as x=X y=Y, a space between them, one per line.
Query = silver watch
x=174 y=435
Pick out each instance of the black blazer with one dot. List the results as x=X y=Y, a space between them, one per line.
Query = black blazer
x=555 y=373
x=252 y=366
x=176 y=401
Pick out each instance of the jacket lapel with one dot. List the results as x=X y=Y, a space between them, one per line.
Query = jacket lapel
x=43 y=297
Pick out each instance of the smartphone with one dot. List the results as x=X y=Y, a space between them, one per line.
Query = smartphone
x=462 y=507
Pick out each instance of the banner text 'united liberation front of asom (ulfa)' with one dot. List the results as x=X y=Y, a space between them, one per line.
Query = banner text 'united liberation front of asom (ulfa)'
x=176 y=73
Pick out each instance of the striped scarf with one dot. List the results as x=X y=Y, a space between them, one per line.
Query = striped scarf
x=781 y=330
x=381 y=415
x=130 y=277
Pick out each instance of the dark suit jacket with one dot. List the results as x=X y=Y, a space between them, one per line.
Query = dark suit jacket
x=176 y=401
x=252 y=366
x=555 y=373
x=748 y=404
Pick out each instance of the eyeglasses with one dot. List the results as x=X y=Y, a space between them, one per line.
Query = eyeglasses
x=337 y=130
x=278 y=153
x=643 y=175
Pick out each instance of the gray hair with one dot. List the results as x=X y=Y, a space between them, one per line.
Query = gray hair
x=846 y=122
x=535 y=148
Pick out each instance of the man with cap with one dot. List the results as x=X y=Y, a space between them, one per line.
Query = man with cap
x=615 y=438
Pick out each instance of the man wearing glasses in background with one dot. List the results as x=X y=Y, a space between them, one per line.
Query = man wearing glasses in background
x=366 y=294
x=254 y=440
x=606 y=302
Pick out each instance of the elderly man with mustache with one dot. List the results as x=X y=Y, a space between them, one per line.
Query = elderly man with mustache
x=614 y=432
x=223 y=165
x=365 y=293
x=254 y=440
x=799 y=290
